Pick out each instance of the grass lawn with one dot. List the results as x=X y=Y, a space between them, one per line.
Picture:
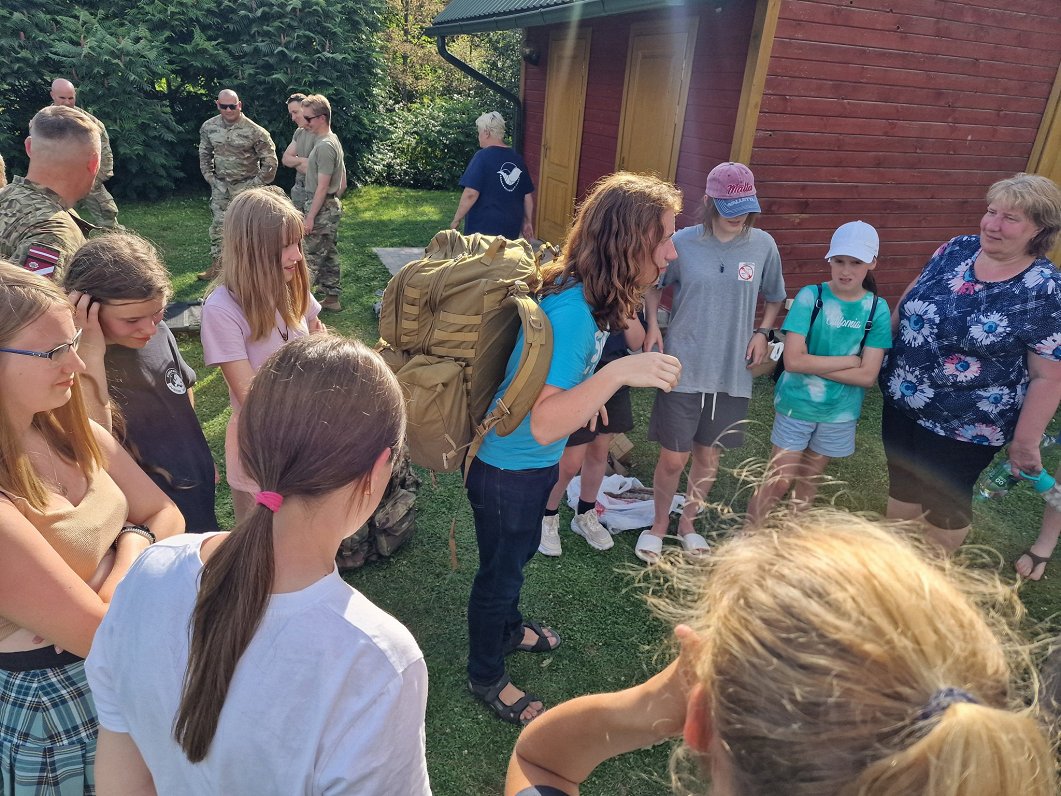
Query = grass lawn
x=609 y=639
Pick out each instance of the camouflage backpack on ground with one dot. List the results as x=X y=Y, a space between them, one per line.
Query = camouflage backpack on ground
x=448 y=325
x=391 y=526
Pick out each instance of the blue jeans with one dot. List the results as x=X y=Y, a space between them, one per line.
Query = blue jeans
x=507 y=506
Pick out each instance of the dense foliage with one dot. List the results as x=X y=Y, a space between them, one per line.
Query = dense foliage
x=427 y=131
x=150 y=70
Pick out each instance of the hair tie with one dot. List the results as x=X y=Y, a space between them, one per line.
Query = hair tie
x=271 y=500
x=943 y=699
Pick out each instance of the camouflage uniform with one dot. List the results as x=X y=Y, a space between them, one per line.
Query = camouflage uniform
x=99 y=204
x=36 y=231
x=303 y=140
x=322 y=256
x=233 y=157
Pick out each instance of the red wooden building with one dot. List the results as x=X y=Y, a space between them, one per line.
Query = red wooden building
x=897 y=112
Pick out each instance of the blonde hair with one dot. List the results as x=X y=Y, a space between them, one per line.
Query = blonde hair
x=616 y=229
x=296 y=453
x=492 y=123
x=827 y=642
x=258 y=226
x=25 y=297
x=708 y=213
x=1037 y=197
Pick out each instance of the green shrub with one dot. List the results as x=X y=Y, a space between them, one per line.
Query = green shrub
x=426 y=144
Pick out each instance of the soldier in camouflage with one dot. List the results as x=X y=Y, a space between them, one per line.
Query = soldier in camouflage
x=99 y=204
x=234 y=154
x=38 y=230
x=325 y=183
x=296 y=156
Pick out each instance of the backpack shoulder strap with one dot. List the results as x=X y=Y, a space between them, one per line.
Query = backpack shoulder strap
x=814 y=315
x=531 y=372
x=869 y=324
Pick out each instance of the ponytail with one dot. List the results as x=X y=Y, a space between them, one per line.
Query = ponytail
x=233 y=593
x=969 y=749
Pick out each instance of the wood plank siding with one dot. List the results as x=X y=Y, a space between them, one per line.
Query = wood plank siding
x=711 y=111
x=901 y=114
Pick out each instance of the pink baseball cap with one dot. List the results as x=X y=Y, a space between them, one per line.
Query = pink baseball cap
x=732 y=187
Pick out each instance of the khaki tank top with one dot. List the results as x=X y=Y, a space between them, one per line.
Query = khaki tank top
x=81 y=534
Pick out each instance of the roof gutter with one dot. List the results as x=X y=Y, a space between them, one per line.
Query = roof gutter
x=497 y=88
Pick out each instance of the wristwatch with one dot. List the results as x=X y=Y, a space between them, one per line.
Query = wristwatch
x=764 y=332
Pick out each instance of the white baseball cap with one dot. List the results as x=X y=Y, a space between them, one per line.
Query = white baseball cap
x=855 y=239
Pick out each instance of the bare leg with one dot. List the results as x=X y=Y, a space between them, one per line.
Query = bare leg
x=570 y=463
x=1043 y=546
x=701 y=478
x=899 y=510
x=242 y=504
x=805 y=488
x=593 y=466
x=947 y=539
x=785 y=465
x=664 y=484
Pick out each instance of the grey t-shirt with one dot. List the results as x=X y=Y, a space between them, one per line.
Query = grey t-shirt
x=716 y=286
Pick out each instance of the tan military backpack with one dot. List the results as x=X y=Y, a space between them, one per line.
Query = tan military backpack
x=448 y=324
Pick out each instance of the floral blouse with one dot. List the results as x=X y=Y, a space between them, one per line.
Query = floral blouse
x=959 y=362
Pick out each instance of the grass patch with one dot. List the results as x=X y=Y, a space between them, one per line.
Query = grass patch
x=609 y=639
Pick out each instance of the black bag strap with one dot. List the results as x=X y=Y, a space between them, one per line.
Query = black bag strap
x=814 y=314
x=869 y=324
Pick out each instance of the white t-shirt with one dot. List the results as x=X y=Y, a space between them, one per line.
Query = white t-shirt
x=328 y=698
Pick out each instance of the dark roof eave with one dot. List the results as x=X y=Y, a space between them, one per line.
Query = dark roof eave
x=581 y=9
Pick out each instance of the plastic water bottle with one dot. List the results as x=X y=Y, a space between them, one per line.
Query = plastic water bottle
x=1049 y=440
x=998 y=480
x=1053 y=497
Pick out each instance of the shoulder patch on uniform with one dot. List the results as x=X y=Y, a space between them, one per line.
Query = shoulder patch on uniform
x=42 y=260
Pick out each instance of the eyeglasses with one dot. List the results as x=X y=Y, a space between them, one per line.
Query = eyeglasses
x=311 y=118
x=228 y=106
x=54 y=354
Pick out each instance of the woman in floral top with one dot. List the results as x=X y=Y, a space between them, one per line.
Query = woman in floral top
x=976 y=362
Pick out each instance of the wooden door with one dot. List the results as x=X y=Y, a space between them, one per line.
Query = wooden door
x=657 y=83
x=565 y=100
x=1046 y=153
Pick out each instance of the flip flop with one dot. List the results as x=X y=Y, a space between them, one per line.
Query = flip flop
x=649 y=547
x=1037 y=561
x=694 y=544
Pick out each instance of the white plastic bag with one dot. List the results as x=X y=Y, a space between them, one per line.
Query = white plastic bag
x=621 y=514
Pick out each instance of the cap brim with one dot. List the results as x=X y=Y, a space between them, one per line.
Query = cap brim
x=861 y=253
x=731 y=208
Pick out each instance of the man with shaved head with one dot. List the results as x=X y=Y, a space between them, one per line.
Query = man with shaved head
x=37 y=229
x=99 y=204
x=234 y=154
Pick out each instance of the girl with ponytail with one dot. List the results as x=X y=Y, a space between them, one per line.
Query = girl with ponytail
x=268 y=673
x=823 y=655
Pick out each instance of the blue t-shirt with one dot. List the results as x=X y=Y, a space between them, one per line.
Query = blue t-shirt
x=577 y=345
x=500 y=176
x=837 y=331
x=960 y=363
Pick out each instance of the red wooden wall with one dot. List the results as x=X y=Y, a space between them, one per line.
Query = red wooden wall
x=901 y=114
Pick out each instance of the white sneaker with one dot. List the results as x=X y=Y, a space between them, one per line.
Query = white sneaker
x=588 y=526
x=550 y=543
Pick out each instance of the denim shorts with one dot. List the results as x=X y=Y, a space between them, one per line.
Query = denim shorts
x=835 y=440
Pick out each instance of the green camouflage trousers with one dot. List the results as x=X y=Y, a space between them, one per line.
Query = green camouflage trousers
x=221 y=193
x=322 y=256
x=100 y=207
x=298 y=192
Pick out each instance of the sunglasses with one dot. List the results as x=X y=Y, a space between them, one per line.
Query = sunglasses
x=311 y=118
x=54 y=354
x=228 y=106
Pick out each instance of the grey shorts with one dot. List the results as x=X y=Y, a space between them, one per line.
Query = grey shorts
x=681 y=418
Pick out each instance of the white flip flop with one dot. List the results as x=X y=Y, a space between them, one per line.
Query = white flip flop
x=649 y=547
x=694 y=544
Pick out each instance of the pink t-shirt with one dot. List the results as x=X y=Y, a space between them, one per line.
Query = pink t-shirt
x=226 y=337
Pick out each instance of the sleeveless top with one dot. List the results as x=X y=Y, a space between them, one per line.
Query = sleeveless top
x=80 y=534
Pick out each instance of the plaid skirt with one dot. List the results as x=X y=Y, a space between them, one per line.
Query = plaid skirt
x=47 y=732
